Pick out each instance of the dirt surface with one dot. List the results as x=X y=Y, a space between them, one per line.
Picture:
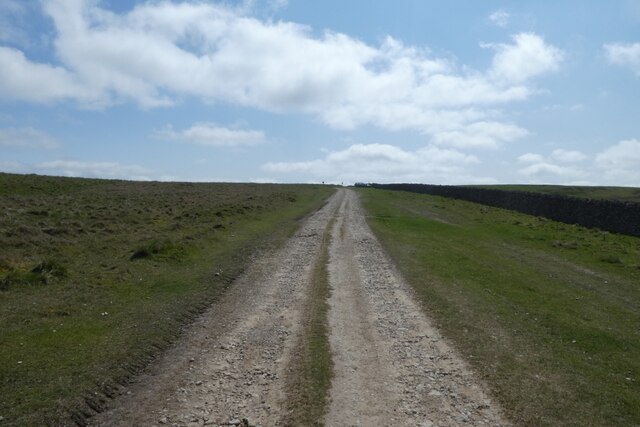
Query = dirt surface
x=391 y=367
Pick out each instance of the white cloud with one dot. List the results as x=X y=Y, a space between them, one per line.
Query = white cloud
x=530 y=56
x=564 y=107
x=26 y=138
x=620 y=163
x=481 y=134
x=499 y=18
x=86 y=169
x=559 y=165
x=568 y=156
x=15 y=167
x=112 y=170
x=624 y=54
x=264 y=181
x=40 y=83
x=531 y=158
x=544 y=169
x=624 y=154
x=382 y=163
x=159 y=52
x=210 y=134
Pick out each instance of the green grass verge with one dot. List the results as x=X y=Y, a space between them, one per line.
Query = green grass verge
x=312 y=366
x=624 y=194
x=547 y=313
x=97 y=277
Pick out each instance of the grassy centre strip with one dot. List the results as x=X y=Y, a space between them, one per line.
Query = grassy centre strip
x=312 y=364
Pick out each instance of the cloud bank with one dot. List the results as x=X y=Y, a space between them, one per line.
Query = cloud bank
x=618 y=164
x=625 y=55
x=500 y=18
x=159 y=53
x=111 y=170
x=382 y=163
x=26 y=138
x=211 y=134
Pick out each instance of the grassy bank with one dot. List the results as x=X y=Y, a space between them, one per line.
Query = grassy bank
x=624 y=194
x=97 y=277
x=311 y=379
x=547 y=313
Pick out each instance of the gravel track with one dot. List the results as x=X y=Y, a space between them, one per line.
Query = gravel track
x=232 y=363
x=391 y=366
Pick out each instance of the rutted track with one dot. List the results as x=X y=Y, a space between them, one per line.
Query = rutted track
x=232 y=364
x=391 y=367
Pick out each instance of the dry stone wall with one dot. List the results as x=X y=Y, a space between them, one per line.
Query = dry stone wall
x=614 y=216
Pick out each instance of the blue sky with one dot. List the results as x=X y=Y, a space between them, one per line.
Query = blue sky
x=456 y=92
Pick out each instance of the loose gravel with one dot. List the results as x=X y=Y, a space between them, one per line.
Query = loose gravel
x=391 y=366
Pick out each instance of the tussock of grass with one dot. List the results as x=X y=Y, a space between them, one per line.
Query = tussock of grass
x=547 y=313
x=311 y=378
x=165 y=248
x=565 y=244
x=42 y=273
x=611 y=259
x=78 y=316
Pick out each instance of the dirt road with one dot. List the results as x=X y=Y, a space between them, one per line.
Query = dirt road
x=391 y=367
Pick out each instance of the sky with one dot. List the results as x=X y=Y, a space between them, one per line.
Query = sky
x=456 y=92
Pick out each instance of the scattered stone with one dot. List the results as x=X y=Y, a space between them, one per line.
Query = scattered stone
x=242 y=365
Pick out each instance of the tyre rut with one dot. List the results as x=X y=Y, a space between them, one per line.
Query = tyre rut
x=391 y=365
x=230 y=367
